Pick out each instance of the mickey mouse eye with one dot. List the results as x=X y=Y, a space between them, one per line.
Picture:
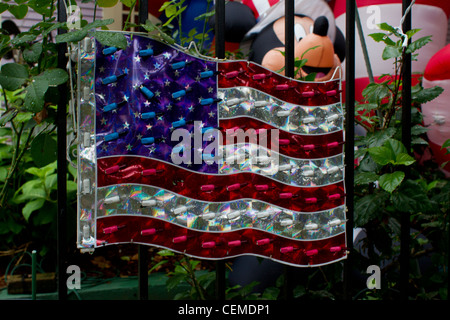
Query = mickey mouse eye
x=311 y=29
x=299 y=31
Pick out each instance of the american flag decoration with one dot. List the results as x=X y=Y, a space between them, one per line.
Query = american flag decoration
x=209 y=158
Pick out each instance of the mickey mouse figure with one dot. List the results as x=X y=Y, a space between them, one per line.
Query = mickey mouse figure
x=259 y=27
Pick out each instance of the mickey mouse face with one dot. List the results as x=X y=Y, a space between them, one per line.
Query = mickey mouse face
x=311 y=43
x=269 y=44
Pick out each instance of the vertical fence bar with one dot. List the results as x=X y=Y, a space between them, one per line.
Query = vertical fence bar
x=143 y=12
x=289 y=54
x=219 y=27
x=289 y=71
x=33 y=275
x=142 y=249
x=406 y=139
x=349 y=138
x=61 y=123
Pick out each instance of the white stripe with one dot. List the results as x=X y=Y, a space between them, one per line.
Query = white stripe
x=261 y=5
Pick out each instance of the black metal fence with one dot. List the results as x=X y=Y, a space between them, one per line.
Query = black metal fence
x=289 y=71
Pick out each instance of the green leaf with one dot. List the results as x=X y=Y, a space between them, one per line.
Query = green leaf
x=54 y=77
x=46 y=214
x=418 y=130
x=411 y=197
x=24 y=116
x=365 y=177
x=3 y=7
x=8 y=116
x=33 y=53
x=174 y=281
x=369 y=207
x=396 y=146
x=32 y=206
x=128 y=3
x=382 y=155
x=42 y=7
x=375 y=92
x=80 y=34
x=23 y=39
x=378 y=138
x=417 y=44
x=111 y=39
x=387 y=27
x=33 y=194
x=35 y=92
x=43 y=150
x=13 y=76
x=404 y=159
x=72 y=36
x=166 y=253
x=19 y=11
x=71 y=186
x=426 y=94
x=98 y=24
x=50 y=181
x=390 y=52
x=106 y=3
x=390 y=181
x=382 y=37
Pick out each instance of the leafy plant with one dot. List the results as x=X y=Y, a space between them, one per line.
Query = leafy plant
x=383 y=191
x=30 y=93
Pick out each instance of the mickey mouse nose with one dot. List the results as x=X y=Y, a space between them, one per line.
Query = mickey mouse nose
x=321 y=26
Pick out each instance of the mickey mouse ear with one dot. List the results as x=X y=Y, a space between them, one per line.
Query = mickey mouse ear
x=321 y=26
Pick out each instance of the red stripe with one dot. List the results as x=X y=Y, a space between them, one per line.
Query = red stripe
x=188 y=183
x=240 y=73
x=297 y=142
x=193 y=242
x=340 y=5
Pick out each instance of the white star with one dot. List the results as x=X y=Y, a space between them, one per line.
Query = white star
x=211 y=114
x=166 y=55
x=126 y=125
x=167 y=83
x=137 y=59
x=102 y=69
x=125 y=97
x=210 y=90
x=146 y=103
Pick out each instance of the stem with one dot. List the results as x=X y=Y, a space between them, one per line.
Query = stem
x=95 y=11
x=191 y=274
x=202 y=41
x=129 y=15
x=16 y=159
x=397 y=78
